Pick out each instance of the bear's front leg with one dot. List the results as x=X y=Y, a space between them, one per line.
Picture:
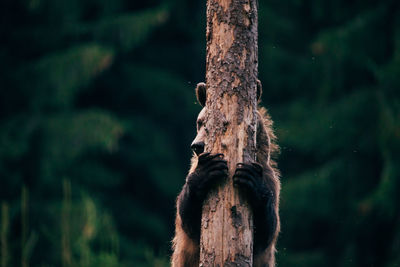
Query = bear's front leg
x=251 y=180
x=210 y=169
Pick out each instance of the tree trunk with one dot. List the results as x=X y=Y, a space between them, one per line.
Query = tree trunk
x=231 y=79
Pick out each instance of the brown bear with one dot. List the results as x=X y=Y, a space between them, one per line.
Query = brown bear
x=259 y=181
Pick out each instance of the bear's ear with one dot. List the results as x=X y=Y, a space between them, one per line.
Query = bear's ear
x=259 y=90
x=201 y=94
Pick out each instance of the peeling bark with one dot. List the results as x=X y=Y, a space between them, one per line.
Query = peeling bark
x=231 y=79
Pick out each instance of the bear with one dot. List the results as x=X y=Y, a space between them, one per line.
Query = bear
x=259 y=181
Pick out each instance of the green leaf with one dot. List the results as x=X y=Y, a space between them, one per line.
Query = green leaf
x=127 y=31
x=54 y=80
x=68 y=136
x=151 y=148
x=325 y=130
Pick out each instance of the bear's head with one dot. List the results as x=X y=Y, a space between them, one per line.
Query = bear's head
x=198 y=143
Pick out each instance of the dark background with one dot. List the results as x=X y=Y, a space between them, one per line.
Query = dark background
x=97 y=113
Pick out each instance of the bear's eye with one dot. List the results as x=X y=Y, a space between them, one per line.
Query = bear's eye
x=199 y=124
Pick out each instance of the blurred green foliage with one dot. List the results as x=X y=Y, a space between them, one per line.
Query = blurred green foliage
x=97 y=112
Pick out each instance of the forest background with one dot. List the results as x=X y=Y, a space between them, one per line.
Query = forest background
x=97 y=113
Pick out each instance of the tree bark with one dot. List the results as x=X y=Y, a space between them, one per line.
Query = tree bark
x=231 y=79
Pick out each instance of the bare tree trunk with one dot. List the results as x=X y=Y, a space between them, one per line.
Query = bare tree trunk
x=231 y=79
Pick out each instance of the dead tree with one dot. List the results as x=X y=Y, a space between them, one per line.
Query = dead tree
x=231 y=79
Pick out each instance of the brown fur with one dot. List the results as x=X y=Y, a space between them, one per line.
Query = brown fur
x=267 y=150
x=186 y=251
